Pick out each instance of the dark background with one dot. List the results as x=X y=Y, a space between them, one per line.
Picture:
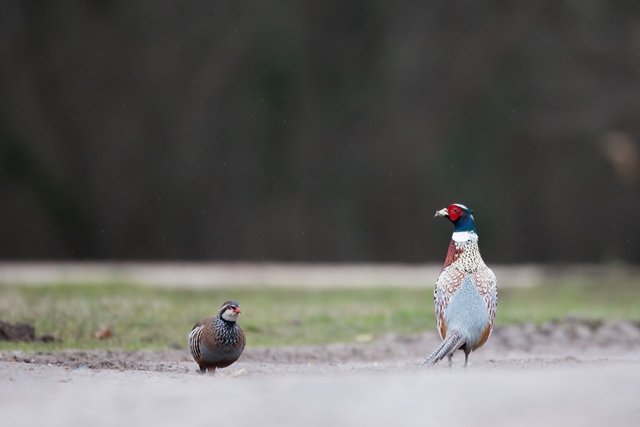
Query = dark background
x=319 y=131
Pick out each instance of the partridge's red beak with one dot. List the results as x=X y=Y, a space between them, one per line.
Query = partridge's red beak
x=236 y=310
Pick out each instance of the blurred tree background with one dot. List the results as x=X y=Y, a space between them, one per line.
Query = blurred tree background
x=319 y=131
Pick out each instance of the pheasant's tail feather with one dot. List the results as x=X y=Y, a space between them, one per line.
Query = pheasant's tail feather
x=448 y=346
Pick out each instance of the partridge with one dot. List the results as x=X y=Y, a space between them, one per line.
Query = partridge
x=465 y=295
x=218 y=341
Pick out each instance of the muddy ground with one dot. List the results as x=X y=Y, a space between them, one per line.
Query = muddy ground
x=573 y=372
x=569 y=339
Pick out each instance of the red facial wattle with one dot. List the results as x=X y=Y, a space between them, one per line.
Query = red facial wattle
x=454 y=212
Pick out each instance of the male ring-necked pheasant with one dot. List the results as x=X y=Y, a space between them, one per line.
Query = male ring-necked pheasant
x=218 y=341
x=465 y=295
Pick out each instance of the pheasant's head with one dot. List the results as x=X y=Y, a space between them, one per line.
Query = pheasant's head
x=460 y=215
x=230 y=311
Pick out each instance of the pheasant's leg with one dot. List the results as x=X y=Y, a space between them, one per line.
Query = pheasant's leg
x=212 y=371
x=466 y=358
x=450 y=361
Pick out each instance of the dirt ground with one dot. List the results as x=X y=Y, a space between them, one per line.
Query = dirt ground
x=575 y=372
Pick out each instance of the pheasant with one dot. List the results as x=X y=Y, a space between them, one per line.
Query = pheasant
x=465 y=295
x=218 y=341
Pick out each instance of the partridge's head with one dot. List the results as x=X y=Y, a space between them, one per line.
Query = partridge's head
x=460 y=215
x=230 y=311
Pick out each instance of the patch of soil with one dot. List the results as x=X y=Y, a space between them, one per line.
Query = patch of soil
x=21 y=332
x=148 y=360
x=563 y=339
x=580 y=334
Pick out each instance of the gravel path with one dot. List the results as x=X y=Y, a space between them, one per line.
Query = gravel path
x=568 y=393
x=278 y=275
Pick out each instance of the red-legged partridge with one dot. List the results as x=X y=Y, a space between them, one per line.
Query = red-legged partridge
x=218 y=341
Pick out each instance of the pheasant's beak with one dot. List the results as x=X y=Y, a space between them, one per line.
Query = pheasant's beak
x=236 y=310
x=441 y=212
